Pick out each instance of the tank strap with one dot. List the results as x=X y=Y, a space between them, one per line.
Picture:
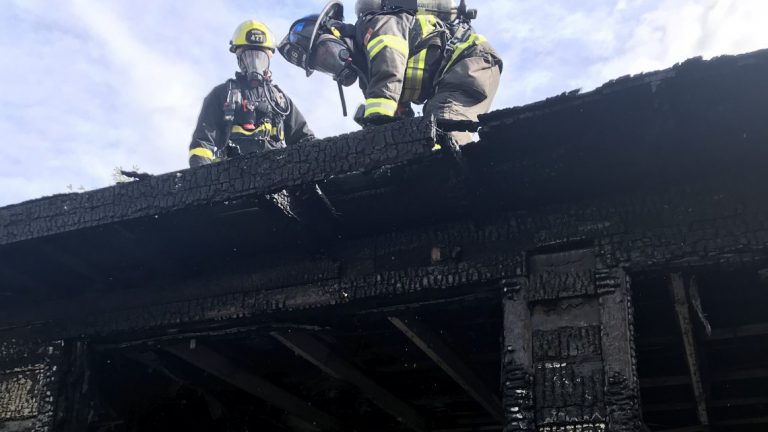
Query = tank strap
x=460 y=35
x=234 y=96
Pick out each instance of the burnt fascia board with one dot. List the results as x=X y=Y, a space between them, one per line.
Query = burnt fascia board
x=248 y=175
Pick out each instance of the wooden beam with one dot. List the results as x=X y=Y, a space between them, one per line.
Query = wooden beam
x=683 y=312
x=739 y=332
x=321 y=356
x=152 y=361
x=219 y=366
x=746 y=374
x=723 y=403
x=751 y=330
x=450 y=362
x=665 y=407
x=667 y=381
x=743 y=421
x=687 y=429
x=472 y=429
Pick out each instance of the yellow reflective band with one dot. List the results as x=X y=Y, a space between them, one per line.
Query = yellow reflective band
x=383 y=106
x=382 y=111
x=266 y=127
x=428 y=24
x=473 y=40
x=414 y=75
x=202 y=152
x=336 y=32
x=391 y=41
x=383 y=101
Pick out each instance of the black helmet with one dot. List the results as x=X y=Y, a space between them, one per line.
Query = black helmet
x=297 y=45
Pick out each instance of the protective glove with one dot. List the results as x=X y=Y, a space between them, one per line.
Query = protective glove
x=404 y=111
x=378 y=120
x=370 y=121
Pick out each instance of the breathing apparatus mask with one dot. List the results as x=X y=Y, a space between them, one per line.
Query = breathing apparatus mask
x=332 y=56
x=254 y=63
x=316 y=42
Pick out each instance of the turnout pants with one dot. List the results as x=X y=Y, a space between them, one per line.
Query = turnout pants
x=465 y=91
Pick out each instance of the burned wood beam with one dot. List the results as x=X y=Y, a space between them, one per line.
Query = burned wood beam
x=683 y=312
x=152 y=361
x=743 y=421
x=739 y=332
x=751 y=330
x=321 y=356
x=687 y=429
x=739 y=402
x=221 y=367
x=667 y=381
x=745 y=374
x=665 y=407
x=471 y=429
x=262 y=174
x=449 y=361
x=724 y=403
x=517 y=373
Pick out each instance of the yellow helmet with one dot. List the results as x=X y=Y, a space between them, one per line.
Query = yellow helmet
x=252 y=33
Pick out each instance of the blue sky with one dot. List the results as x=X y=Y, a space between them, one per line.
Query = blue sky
x=89 y=85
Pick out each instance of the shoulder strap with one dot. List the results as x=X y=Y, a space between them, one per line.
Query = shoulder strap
x=233 y=99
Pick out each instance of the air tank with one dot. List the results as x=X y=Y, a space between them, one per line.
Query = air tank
x=446 y=10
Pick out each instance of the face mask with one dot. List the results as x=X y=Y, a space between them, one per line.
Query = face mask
x=332 y=56
x=254 y=63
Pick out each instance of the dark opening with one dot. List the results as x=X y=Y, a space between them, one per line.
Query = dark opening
x=149 y=387
x=731 y=359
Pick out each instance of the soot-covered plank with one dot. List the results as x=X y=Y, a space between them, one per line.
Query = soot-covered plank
x=250 y=174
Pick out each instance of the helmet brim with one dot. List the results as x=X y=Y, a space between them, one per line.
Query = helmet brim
x=334 y=9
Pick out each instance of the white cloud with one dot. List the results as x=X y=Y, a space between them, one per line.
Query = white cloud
x=677 y=30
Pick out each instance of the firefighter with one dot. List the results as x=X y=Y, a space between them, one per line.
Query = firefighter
x=247 y=114
x=402 y=53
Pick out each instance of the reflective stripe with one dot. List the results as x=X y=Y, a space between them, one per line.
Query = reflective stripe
x=473 y=40
x=414 y=75
x=266 y=127
x=383 y=106
x=383 y=41
x=428 y=24
x=202 y=152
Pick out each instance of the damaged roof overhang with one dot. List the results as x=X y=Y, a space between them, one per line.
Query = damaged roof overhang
x=699 y=119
